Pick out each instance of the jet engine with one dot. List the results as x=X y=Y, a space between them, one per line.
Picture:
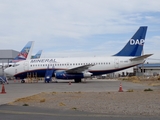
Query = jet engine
x=64 y=75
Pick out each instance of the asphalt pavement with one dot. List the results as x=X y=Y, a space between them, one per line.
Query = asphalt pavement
x=9 y=112
x=15 y=90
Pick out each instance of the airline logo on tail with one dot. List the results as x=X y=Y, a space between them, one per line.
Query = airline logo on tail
x=38 y=55
x=134 y=47
x=24 y=54
x=137 y=42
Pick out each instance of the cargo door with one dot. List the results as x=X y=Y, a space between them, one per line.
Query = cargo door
x=116 y=63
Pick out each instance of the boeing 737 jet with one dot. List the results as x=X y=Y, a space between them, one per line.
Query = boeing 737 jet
x=78 y=68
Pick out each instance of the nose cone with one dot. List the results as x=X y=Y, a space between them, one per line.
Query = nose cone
x=8 y=71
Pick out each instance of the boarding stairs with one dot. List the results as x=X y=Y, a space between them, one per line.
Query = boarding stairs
x=3 y=79
x=48 y=74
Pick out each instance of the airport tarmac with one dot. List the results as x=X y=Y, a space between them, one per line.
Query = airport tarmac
x=8 y=112
x=15 y=90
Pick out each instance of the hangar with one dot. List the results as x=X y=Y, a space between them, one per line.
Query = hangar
x=148 y=69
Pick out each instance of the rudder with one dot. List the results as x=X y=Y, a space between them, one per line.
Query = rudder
x=24 y=52
x=135 y=45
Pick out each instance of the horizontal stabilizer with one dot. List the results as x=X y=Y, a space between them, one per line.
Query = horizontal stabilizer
x=141 y=57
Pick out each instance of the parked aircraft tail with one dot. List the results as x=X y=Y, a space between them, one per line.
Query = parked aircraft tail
x=25 y=53
x=134 y=47
x=37 y=55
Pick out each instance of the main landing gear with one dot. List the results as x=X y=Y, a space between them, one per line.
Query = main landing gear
x=22 y=81
x=78 y=80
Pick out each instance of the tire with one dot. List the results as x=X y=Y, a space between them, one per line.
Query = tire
x=22 y=81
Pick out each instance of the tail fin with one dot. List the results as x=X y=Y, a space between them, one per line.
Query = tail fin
x=38 y=55
x=135 y=45
x=24 y=52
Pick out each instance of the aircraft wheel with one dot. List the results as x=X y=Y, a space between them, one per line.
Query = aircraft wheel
x=22 y=81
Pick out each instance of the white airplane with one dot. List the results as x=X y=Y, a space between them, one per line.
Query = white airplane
x=78 y=68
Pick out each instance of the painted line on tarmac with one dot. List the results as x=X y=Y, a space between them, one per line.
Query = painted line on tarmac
x=68 y=115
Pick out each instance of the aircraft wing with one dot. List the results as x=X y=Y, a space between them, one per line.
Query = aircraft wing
x=79 y=69
x=140 y=57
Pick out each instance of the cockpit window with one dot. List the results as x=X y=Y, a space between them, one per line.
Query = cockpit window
x=10 y=65
x=15 y=65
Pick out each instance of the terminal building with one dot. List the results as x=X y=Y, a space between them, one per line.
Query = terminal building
x=152 y=69
x=146 y=69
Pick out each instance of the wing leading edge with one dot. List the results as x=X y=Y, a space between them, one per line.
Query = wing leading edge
x=80 y=69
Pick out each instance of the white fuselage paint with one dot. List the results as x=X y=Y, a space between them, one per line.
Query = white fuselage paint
x=99 y=64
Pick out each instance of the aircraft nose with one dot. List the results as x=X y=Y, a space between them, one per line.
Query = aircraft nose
x=8 y=71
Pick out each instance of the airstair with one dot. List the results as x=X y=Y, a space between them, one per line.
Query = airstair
x=3 y=79
x=48 y=74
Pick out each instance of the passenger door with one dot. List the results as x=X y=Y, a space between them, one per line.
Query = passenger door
x=116 y=63
x=26 y=66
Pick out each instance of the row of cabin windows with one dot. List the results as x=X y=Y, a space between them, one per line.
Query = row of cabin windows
x=69 y=64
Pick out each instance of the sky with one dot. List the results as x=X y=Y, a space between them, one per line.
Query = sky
x=75 y=28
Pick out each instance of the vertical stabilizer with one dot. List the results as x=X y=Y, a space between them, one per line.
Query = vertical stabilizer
x=37 y=55
x=134 y=47
x=24 y=53
x=30 y=51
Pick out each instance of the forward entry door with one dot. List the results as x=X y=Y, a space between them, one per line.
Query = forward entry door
x=26 y=66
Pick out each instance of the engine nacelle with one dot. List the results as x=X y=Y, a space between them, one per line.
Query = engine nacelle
x=64 y=75
x=87 y=74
